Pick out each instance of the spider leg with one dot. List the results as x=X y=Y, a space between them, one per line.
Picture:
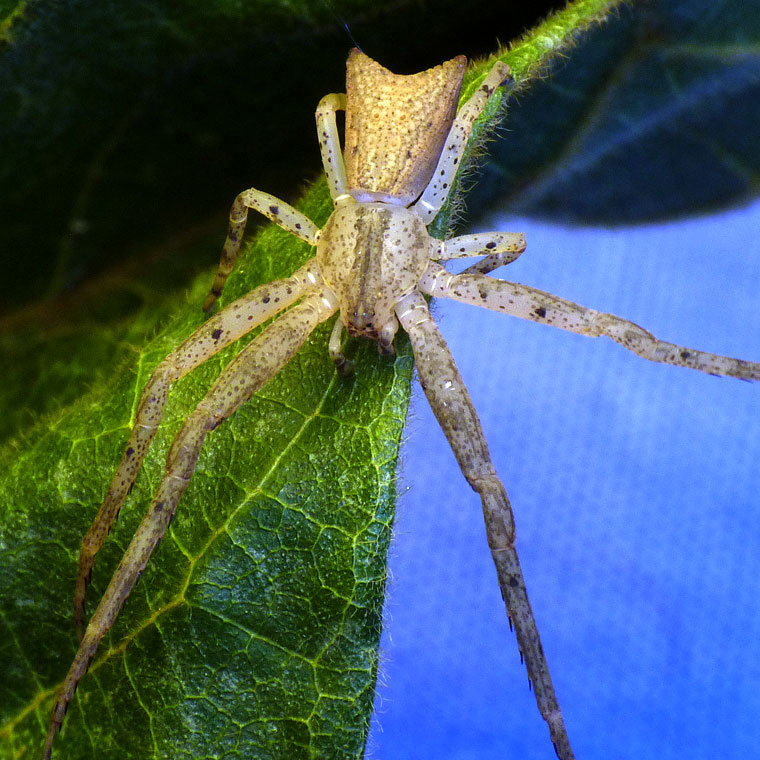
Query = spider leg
x=274 y=209
x=329 y=143
x=252 y=368
x=344 y=366
x=452 y=406
x=498 y=249
x=219 y=331
x=536 y=305
x=434 y=195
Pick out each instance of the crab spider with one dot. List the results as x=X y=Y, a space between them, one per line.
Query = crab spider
x=374 y=263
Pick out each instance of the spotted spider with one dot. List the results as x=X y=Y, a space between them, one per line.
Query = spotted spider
x=374 y=264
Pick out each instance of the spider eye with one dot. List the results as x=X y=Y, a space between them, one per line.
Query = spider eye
x=363 y=314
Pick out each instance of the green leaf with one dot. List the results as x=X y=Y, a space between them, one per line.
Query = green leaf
x=656 y=116
x=254 y=630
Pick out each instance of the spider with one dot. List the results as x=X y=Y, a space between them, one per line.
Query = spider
x=375 y=262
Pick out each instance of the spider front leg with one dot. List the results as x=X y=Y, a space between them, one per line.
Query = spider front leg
x=452 y=406
x=252 y=369
x=273 y=209
x=218 y=332
x=497 y=249
x=536 y=305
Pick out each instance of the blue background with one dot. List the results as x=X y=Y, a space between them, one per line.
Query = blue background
x=636 y=490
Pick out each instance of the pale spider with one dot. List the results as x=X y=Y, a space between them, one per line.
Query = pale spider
x=374 y=263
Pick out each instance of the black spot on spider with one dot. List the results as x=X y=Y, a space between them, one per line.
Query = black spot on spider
x=513 y=582
x=266 y=299
x=540 y=312
x=491 y=245
x=130 y=451
x=298 y=226
x=274 y=209
x=685 y=354
x=217 y=333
